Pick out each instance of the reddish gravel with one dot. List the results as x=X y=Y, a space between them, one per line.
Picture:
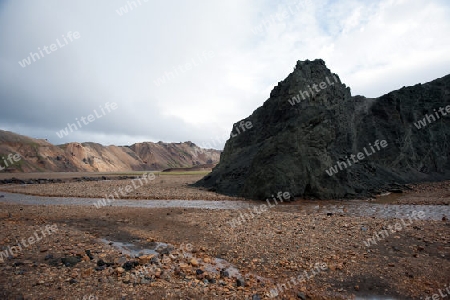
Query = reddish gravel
x=162 y=187
x=272 y=248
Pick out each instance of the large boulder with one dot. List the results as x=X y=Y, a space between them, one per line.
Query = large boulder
x=311 y=138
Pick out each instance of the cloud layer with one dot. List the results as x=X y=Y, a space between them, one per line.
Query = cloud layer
x=187 y=71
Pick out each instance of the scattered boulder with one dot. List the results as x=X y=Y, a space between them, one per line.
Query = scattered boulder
x=70 y=261
x=194 y=262
x=240 y=282
x=301 y=296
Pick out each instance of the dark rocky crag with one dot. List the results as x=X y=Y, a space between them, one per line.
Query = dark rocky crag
x=290 y=147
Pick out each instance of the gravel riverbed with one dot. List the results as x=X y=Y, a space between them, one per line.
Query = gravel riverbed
x=302 y=253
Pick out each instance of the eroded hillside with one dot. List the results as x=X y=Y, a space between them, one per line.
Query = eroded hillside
x=37 y=155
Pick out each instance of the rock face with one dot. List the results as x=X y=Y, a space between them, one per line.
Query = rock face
x=39 y=155
x=311 y=138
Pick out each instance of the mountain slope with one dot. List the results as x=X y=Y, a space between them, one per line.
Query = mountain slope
x=39 y=155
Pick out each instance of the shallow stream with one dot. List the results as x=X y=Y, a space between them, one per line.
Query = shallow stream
x=357 y=208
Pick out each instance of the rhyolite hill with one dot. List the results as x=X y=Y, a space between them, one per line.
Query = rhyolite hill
x=39 y=155
x=290 y=147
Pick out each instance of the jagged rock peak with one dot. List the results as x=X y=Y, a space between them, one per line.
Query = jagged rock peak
x=311 y=125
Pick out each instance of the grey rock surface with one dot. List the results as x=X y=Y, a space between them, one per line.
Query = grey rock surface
x=311 y=121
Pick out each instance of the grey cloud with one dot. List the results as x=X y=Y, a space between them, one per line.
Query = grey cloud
x=118 y=58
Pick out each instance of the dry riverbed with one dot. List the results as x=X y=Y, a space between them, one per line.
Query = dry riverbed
x=275 y=248
x=161 y=187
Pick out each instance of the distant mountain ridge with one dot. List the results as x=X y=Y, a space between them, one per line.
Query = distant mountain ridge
x=38 y=155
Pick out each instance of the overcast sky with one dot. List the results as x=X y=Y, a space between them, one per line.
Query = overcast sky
x=219 y=60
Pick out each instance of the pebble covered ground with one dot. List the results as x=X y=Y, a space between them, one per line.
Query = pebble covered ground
x=161 y=187
x=207 y=258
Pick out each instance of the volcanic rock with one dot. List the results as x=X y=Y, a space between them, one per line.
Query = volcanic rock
x=311 y=122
